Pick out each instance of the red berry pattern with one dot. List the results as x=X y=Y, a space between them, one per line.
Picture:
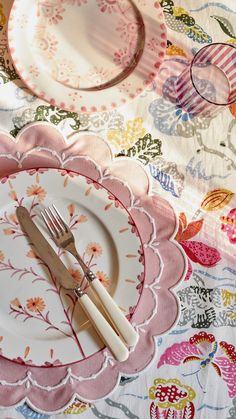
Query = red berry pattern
x=172 y=393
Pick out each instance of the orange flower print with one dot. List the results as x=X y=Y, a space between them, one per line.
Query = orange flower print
x=71 y=209
x=36 y=190
x=13 y=195
x=2 y=257
x=13 y=219
x=76 y=275
x=103 y=278
x=82 y=219
x=93 y=249
x=8 y=231
x=16 y=302
x=35 y=304
x=31 y=254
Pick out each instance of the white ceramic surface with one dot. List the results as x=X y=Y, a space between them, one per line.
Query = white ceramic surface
x=41 y=323
x=87 y=55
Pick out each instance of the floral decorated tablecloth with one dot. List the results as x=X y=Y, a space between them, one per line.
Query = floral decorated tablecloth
x=193 y=165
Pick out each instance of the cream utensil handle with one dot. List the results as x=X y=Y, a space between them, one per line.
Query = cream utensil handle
x=104 y=329
x=120 y=322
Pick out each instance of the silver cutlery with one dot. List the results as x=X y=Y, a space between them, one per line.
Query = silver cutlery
x=63 y=237
x=62 y=275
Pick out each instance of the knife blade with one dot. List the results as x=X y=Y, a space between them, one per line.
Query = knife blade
x=44 y=249
x=62 y=275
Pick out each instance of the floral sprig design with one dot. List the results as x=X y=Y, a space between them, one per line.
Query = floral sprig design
x=75 y=217
x=34 y=310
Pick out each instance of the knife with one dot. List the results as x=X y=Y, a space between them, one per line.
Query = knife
x=62 y=275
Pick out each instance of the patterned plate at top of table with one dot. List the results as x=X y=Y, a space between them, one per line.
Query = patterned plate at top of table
x=87 y=55
x=41 y=323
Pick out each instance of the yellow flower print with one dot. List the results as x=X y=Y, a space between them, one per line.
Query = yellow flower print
x=2 y=257
x=36 y=190
x=178 y=11
x=175 y=50
x=125 y=139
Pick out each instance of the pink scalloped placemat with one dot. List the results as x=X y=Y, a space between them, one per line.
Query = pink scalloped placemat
x=43 y=145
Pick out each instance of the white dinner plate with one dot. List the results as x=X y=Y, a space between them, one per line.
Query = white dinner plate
x=40 y=323
x=87 y=55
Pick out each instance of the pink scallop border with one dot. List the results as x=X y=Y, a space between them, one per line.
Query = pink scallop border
x=43 y=145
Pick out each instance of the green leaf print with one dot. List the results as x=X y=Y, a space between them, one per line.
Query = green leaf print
x=7 y=71
x=225 y=25
x=55 y=115
x=145 y=149
x=197 y=34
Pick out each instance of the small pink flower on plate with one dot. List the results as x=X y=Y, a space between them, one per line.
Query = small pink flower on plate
x=108 y=6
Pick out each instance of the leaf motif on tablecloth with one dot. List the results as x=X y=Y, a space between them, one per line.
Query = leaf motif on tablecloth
x=197 y=251
x=46 y=113
x=145 y=149
x=7 y=70
x=128 y=136
x=170 y=119
x=203 y=306
x=225 y=25
x=179 y=19
x=197 y=34
x=77 y=408
x=216 y=199
x=168 y=175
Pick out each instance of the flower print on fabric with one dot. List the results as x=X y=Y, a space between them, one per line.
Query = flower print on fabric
x=169 y=117
x=228 y=225
x=171 y=399
x=196 y=251
x=203 y=350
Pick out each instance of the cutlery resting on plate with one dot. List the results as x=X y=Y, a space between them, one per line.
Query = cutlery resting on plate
x=62 y=275
x=63 y=237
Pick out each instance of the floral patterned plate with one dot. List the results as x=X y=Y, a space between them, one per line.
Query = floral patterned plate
x=87 y=55
x=39 y=320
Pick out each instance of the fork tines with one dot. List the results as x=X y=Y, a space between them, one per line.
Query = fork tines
x=54 y=221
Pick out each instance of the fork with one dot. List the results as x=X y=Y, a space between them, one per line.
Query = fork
x=63 y=237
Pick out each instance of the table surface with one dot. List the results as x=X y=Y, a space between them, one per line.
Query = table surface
x=188 y=158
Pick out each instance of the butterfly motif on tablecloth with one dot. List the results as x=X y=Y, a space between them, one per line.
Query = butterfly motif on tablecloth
x=203 y=349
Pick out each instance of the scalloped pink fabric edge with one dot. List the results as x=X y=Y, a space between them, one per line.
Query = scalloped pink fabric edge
x=43 y=145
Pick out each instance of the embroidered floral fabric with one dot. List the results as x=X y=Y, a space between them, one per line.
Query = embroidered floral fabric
x=192 y=162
